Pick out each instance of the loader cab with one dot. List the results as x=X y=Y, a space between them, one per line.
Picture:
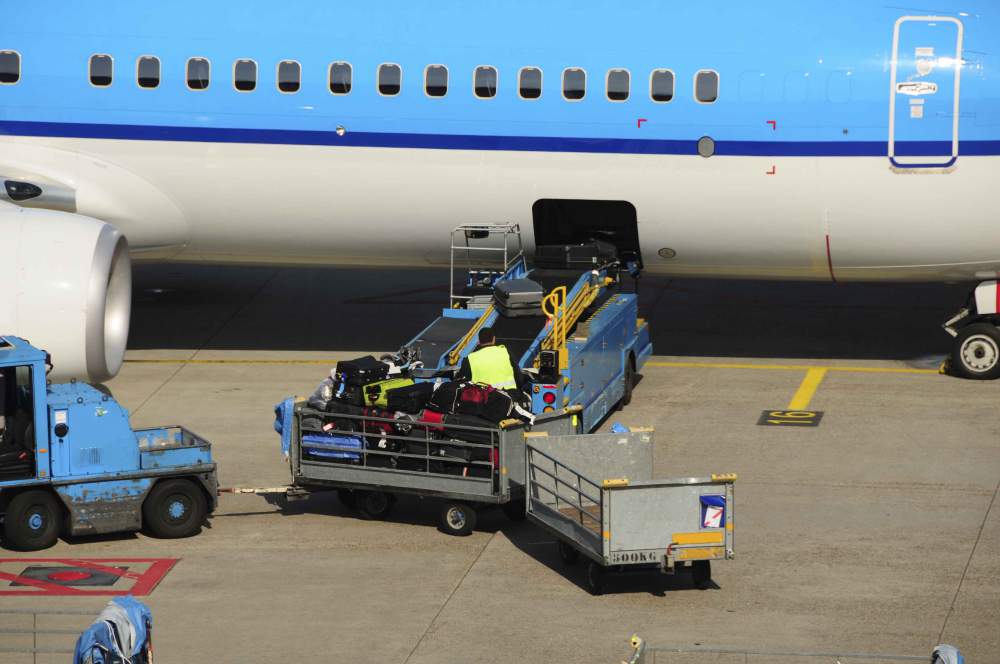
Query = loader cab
x=17 y=430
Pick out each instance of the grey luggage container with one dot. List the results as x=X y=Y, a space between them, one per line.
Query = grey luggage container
x=601 y=503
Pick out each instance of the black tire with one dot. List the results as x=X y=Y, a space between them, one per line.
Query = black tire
x=33 y=521
x=629 y=382
x=976 y=352
x=568 y=554
x=595 y=579
x=373 y=505
x=515 y=510
x=701 y=573
x=348 y=498
x=174 y=508
x=458 y=519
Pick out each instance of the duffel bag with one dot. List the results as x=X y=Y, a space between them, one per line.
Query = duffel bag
x=443 y=398
x=376 y=394
x=409 y=399
x=332 y=447
x=430 y=420
x=484 y=401
x=361 y=371
x=483 y=432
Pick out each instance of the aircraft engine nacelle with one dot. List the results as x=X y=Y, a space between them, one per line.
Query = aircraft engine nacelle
x=66 y=286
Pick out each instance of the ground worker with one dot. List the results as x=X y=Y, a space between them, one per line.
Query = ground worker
x=490 y=364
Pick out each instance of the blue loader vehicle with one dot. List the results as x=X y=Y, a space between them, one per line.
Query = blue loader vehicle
x=71 y=464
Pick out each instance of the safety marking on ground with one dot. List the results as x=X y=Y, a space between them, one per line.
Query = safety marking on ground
x=233 y=361
x=70 y=577
x=791 y=367
x=798 y=413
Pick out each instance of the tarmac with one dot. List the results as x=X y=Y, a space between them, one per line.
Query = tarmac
x=876 y=532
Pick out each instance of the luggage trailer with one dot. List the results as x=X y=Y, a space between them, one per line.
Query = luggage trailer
x=585 y=349
x=593 y=492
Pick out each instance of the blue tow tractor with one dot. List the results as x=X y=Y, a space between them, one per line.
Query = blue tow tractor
x=70 y=463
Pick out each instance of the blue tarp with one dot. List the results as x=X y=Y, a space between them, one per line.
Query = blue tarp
x=283 y=414
x=98 y=643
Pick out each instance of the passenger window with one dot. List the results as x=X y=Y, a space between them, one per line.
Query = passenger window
x=390 y=79
x=706 y=86
x=436 y=80
x=340 y=78
x=485 y=82
x=618 y=84
x=198 y=73
x=661 y=86
x=530 y=83
x=245 y=75
x=289 y=76
x=147 y=72
x=101 y=70
x=574 y=84
x=10 y=67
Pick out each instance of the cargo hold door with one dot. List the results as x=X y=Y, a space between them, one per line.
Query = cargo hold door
x=924 y=97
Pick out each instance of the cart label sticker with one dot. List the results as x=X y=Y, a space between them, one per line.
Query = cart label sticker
x=627 y=557
x=790 y=418
x=713 y=511
x=71 y=577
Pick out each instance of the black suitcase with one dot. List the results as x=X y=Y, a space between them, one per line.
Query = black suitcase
x=409 y=399
x=507 y=312
x=362 y=371
x=353 y=395
x=575 y=256
x=443 y=398
x=467 y=435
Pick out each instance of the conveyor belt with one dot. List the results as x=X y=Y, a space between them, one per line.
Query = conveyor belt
x=438 y=339
x=517 y=334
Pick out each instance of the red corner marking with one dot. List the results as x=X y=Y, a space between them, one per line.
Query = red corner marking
x=774 y=124
x=143 y=582
x=639 y=123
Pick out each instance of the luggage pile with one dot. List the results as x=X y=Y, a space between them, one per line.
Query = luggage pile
x=369 y=404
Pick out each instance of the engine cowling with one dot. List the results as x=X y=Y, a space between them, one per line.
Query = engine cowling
x=66 y=286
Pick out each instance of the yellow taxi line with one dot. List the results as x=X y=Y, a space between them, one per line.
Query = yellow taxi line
x=789 y=367
x=804 y=395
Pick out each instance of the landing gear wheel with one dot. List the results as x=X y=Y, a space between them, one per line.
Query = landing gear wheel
x=515 y=510
x=568 y=554
x=33 y=521
x=976 y=353
x=595 y=579
x=458 y=519
x=348 y=498
x=373 y=505
x=174 y=508
x=701 y=573
x=629 y=382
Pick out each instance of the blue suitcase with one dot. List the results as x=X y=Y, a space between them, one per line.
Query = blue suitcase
x=334 y=448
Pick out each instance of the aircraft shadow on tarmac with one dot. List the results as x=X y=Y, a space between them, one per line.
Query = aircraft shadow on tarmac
x=327 y=309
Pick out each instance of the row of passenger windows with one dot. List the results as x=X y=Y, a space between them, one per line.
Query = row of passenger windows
x=389 y=78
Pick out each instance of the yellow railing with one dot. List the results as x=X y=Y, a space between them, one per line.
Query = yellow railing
x=456 y=353
x=562 y=318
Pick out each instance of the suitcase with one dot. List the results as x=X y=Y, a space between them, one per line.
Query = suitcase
x=379 y=432
x=587 y=255
x=409 y=399
x=336 y=407
x=517 y=313
x=451 y=421
x=349 y=394
x=327 y=447
x=519 y=294
x=362 y=371
x=376 y=393
x=485 y=402
x=443 y=399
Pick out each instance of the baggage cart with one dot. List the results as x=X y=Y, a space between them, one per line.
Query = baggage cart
x=417 y=459
x=601 y=503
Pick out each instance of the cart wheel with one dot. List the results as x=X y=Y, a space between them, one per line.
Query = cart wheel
x=629 y=382
x=373 y=504
x=458 y=519
x=976 y=353
x=348 y=498
x=568 y=554
x=701 y=573
x=514 y=510
x=33 y=521
x=175 y=508
x=595 y=579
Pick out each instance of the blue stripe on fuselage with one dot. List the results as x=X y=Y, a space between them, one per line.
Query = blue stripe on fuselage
x=478 y=142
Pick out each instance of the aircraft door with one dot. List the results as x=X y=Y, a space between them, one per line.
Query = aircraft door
x=926 y=82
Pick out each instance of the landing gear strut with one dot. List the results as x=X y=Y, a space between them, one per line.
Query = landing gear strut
x=976 y=350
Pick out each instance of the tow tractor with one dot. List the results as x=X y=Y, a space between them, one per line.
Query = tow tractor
x=71 y=463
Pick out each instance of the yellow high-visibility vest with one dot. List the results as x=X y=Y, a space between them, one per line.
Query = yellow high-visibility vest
x=491 y=366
